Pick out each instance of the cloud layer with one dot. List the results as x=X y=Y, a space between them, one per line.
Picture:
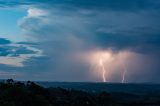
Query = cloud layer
x=66 y=29
x=14 y=54
x=106 y=24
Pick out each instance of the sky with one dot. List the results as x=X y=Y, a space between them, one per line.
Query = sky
x=80 y=40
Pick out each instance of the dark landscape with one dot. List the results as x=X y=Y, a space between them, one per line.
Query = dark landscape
x=15 y=93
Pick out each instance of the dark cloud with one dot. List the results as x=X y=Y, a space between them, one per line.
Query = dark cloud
x=13 y=3
x=68 y=27
x=123 y=5
x=137 y=30
x=4 y=41
x=140 y=44
x=13 y=50
x=64 y=28
x=14 y=54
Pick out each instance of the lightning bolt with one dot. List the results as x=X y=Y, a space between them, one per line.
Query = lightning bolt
x=107 y=63
x=103 y=70
x=124 y=73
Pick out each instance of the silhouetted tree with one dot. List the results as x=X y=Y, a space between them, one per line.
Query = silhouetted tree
x=30 y=94
x=10 y=81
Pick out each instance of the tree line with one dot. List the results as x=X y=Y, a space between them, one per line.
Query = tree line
x=14 y=93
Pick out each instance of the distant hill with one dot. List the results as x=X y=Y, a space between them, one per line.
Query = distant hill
x=15 y=93
x=108 y=87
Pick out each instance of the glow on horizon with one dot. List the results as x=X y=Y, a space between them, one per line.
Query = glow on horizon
x=105 y=63
x=103 y=59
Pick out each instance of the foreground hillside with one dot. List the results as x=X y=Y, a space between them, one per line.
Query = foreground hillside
x=29 y=94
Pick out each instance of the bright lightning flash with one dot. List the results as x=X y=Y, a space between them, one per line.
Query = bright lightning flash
x=104 y=58
x=124 y=73
x=103 y=70
x=107 y=63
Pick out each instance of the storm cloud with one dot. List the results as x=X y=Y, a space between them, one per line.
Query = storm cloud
x=102 y=24
x=66 y=28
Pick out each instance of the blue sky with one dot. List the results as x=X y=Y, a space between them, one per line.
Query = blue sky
x=64 y=40
x=8 y=24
